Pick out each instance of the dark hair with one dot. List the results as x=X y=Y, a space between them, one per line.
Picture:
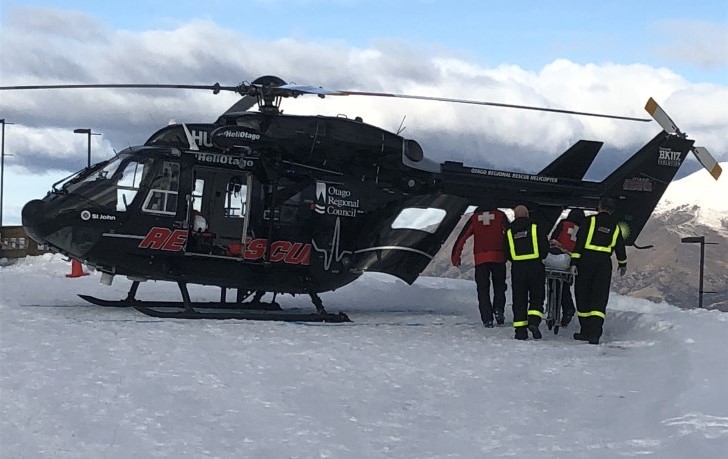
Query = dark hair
x=607 y=204
x=576 y=216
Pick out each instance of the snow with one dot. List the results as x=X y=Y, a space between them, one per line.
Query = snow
x=706 y=196
x=414 y=375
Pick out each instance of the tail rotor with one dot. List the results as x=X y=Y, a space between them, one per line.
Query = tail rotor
x=701 y=153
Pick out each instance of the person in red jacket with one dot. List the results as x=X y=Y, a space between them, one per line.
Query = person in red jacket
x=564 y=238
x=488 y=226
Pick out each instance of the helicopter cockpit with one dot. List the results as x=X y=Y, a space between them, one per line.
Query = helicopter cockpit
x=114 y=185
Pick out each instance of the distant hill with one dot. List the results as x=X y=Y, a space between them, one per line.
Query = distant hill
x=693 y=206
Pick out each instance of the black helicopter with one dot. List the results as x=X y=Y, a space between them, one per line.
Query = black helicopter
x=266 y=202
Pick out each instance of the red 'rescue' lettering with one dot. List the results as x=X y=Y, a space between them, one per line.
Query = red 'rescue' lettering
x=255 y=249
x=155 y=238
x=299 y=254
x=176 y=241
x=278 y=250
x=164 y=239
x=292 y=253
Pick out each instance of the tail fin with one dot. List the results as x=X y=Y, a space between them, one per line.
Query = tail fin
x=574 y=162
x=571 y=164
x=640 y=182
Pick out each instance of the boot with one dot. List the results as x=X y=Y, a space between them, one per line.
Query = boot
x=499 y=317
x=535 y=331
x=488 y=324
x=566 y=319
x=593 y=340
x=581 y=337
x=521 y=333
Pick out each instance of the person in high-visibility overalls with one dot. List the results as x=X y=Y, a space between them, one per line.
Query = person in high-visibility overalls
x=527 y=247
x=597 y=239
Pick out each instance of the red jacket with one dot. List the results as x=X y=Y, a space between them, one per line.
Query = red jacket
x=565 y=234
x=489 y=228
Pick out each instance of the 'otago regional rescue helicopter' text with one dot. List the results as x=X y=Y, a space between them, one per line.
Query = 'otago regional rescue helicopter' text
x=260 y=201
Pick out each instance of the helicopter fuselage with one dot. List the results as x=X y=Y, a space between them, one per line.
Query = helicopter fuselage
x=291 y=204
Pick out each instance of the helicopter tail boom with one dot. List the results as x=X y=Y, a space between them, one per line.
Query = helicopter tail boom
x=637 y=185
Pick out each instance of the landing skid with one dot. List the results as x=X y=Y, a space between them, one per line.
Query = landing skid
x=222 y=310
x=179 y=304
x=224 y=314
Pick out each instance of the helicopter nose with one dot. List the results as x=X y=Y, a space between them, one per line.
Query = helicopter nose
x=32 y=215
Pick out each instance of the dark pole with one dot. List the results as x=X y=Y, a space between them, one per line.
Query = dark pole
x=2 y=167
x=88 y=162
x=702 y=263
x=89 y=133
x=699 y=240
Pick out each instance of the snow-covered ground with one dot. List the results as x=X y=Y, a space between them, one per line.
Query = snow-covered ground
x=414 y=375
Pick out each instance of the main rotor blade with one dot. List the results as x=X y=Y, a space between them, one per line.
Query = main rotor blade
x=321 y=92
x=493 y=104
x=215 y=88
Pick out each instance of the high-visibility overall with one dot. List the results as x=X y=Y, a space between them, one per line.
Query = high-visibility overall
x=527 y=247
x=598 y=238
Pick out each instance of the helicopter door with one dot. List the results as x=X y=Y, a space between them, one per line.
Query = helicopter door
x=235 y=206
x=222 y=199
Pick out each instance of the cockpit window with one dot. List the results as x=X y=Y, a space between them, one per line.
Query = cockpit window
x=128 y=184
x=162 y=198
x=113 y=186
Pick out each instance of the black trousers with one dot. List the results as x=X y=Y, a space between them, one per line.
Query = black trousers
x=528 y=283
x=592 y=294
x=484 y=272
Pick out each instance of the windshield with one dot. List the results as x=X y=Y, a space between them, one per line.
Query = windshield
x=114 y=185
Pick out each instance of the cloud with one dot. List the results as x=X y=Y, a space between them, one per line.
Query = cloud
x=695 y=42
x=202 y=52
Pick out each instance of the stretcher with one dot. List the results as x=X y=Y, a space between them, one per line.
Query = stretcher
x=555 y=280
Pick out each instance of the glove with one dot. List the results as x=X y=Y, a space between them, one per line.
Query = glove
x=622 y=270
x=456 y=261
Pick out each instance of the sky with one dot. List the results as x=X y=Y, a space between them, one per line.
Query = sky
x=413 y=375
x=607 y=57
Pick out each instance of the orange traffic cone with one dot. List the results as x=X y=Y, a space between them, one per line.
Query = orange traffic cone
x=76 y=269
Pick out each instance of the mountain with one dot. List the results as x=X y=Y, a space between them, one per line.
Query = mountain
x=695 y=205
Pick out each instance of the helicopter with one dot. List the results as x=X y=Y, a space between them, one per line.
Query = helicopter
x=266 y=202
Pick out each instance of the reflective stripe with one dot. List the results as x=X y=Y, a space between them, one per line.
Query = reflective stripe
x=534 y=312
x=621 y=262
x=599 y=248
x=575 y=255
x=522 y=323
x=534 y=242
x=592 y=314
